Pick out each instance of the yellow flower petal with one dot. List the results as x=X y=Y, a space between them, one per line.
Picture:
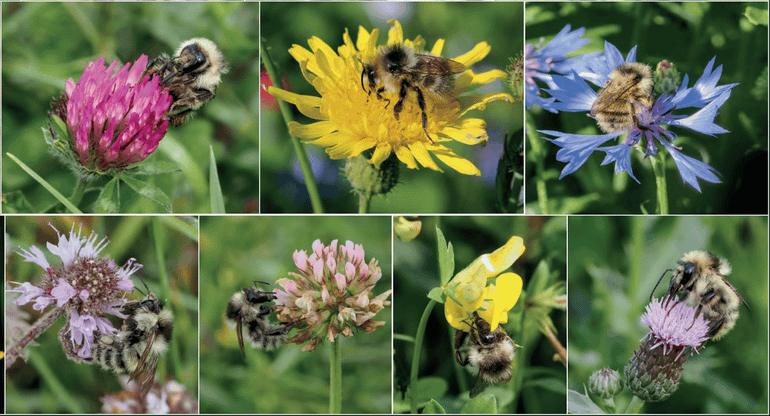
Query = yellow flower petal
x=312 y=130
x=456 y=162
x=501 y=299
x=466 y=136
x=420 y=152
x=437 y=47
x=479 y=101
x=475 y=55
x=396 y=33
x=503 y=257
x=405 y=156
x=381 y=152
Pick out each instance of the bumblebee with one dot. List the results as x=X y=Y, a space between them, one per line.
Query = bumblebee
x=191 y=76
x=248 y=307
x=143 y=338
x=700 y=277
x=488 y=354
x=400 y=69
x=628 y=91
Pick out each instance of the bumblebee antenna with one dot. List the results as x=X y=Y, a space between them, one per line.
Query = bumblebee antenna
x=656 y=284
x=260 y=281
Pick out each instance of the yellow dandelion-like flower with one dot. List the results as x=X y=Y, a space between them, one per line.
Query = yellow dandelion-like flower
x=351 y=120
x=468 y=291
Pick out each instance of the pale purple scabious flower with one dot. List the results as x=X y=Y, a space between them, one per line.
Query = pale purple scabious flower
x=573 y=93
x=331 y=294
x=675 y=333
x=542 y=61
x=114 y=120
x=86 y=284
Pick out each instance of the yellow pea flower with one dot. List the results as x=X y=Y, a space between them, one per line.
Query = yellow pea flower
x=468 y=291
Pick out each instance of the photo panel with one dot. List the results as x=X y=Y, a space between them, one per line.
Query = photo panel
x=292 y=285
x=664 y=313
x=646 y=107
x=406 y=104
x=480 y=304
x=130 y=107
x=101 y=314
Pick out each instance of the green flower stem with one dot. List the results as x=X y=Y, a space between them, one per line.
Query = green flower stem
x=77 y=193
x=659 y=168
x=61 y=198
x=304 y=162
x=538 y=152
x=363 y=202
x=335 y=382
x=418 y=338
x=635 y=406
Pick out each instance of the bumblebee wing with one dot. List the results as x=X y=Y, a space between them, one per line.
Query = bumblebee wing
x=144 y=373
x=736 y=293
x=239 y=331
x=431 y=64
x=609 y=98
x=479 y=387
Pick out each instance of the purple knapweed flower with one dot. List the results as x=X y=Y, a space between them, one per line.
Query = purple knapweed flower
x=113 y=121
x=676 y=331
x=540 y=62
x=86 y=284
x=573 y=93
x=331 y=294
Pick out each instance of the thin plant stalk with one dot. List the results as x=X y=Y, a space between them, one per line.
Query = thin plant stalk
x=335 y=384
x=40 y=326
x=418 y=339
x=538 y=152
x=304 y=162
x=659 y=168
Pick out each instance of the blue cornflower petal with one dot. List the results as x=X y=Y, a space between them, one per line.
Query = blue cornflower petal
x=572 y=93
x=691 y=169
x=703 y=120
x=621 y=155
x=575 y=148
x=705 y=89
x=563 y=43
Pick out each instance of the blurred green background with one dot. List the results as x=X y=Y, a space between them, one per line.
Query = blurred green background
x=614 y=263
x=689 y=35
x=235 y=251
x=462 y=25
x=167 y=248
x=543 y=264
x=44 y=44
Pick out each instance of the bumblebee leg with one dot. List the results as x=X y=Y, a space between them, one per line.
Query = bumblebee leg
x=421 y=103
x=381 y=98
x=460 y=337
x=401 y=96
x=280 y=330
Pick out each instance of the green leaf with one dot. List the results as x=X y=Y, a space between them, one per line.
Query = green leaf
x=581 y=404
x=436 y=294
x=215 y=189
x=756 y=16
x=73 y=209
x=109 y=199
x=429 y=387
x=446 y=258
x=485 y=404
x=15 y=202
x=148 y=191
x=433 y=408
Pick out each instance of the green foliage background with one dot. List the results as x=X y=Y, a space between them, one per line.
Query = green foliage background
x=688 y=34
x=235 y=251
x=44 y=44
x=49 y=382
x=462 y=25
x=614 y=263
x=542 y=264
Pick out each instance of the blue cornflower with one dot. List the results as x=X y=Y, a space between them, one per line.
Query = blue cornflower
x=540 y=62
x=572 y=93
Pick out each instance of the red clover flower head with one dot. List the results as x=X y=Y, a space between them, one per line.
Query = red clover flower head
x=112 y=121
x=675 y=333
x=331 y=294
x=85 y=284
